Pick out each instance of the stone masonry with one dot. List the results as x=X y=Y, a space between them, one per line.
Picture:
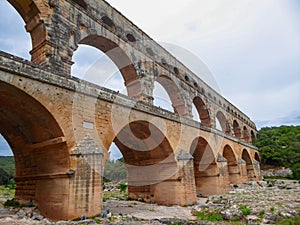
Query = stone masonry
x=60 y=127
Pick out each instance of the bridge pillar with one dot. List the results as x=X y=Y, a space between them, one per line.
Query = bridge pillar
x=85 y=180
x=177 y=189
x=257 y=171
x=243 y=171
x=213 y=180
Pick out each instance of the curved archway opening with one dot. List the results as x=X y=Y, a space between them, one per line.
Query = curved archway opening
x=94 y=66
x=195 y=114
x=233 y=169
x=161 y=97
x=174 y=94
x=202 y=111
x=122 y=65
x=256 y=157
x=222 y=123
x=7 y=165
x=249 y=165
x=252 y=135
x=246 y=134
x=39 y=149
x=149 y=160
x=205 y=168
x=237 y=129
x=14 y=39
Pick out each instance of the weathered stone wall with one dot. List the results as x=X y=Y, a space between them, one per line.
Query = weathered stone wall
x=63 y=172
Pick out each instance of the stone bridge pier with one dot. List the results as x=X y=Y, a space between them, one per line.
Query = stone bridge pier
x=60 y=128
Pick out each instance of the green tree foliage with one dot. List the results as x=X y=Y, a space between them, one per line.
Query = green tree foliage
x=280 y=146
x=115 y=170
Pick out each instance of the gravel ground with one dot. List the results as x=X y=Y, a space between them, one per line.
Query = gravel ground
x=267 y=202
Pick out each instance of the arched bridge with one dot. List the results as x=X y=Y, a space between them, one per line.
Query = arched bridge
x=60 y=127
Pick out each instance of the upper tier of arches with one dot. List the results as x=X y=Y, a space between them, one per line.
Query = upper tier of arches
x=58 y=27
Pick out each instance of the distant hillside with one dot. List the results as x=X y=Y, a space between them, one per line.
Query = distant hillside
x=7 y=169
x=280 y=146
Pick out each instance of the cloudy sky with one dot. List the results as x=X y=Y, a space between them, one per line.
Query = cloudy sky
x=251 y=47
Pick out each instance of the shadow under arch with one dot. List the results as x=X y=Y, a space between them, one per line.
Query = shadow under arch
x=121 y=60
x=232 y=163
x=39 y=148
x=150 y=162
x=223 y=122
x=202 y=111
x=249 y=164
x=246 y=135
x=174 y=93
x=205 y=168
x=252 y=136
x=237 y=129
x=256 y=157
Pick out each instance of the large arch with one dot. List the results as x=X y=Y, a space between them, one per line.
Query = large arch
x=202 y=110
x=174 y=93
x=249 y=164
x=233 y=169
x=205 y=168
x=223 y=122
x=39 y=147
x=237 y=129
x=150 y=162
x=121 y=60
x=15 y=39
x=34 y=12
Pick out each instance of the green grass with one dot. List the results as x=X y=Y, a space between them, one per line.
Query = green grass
x=246 y=211
x=6 y=192
x=261 y=214
x=209 y=216
x=290 y=221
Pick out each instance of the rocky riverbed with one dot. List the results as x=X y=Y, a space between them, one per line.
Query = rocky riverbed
x=262 y=202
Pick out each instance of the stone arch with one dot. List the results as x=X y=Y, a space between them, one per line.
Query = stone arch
x=249 y=164
x=205 y=167
x=223 y=122
x=233 y=169
x=246 y=135
x=174 y=93
x=121 y=60
x=202 y=110
x=34 y=12
x=40 y=150
x=237 y=129
x=149 y=159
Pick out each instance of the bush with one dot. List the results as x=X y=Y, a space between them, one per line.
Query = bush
x=123 y=186
x=12 y=203
x=245 y=210
x=261 y=214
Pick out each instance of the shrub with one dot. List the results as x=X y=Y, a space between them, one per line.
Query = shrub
x=245 y=210
x=12 y=203
x=123 y=186
x=261 y=214
x=272 y=209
